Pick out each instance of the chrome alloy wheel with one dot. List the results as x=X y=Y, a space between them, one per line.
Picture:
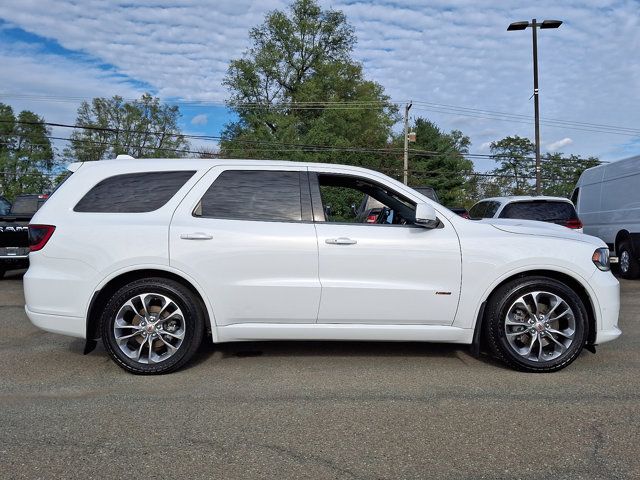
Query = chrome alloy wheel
x=540 y=326
x=149 y=328
x=625 y=261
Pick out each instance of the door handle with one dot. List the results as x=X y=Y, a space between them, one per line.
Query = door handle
x=196 y=236
x=340 y=241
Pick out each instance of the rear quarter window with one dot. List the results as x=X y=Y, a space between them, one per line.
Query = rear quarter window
x=133 y=192
x=543 y=211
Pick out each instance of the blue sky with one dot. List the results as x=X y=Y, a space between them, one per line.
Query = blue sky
x=455 y=53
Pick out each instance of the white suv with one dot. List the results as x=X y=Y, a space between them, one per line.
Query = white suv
x=151 y=255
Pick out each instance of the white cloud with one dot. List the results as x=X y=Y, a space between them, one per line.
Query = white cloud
x=454 y=52
x=559 y=144
x=35 y=74
x=199 y=119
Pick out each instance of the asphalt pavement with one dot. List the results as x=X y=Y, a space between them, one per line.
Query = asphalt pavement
x=315 y=410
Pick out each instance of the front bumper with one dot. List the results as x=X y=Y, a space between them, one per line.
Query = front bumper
x=607 y=305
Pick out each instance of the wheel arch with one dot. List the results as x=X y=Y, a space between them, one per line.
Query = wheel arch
x=621 y=236
x=575 y=284
x=109 y=286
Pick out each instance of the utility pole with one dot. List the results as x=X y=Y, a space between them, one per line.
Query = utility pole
x=407 y=107
x=534 y=25
x=536 y=105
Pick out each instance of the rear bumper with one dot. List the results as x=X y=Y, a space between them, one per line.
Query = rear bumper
x=73 y=326
x=14 y=261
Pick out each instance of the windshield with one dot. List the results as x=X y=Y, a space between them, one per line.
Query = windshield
x=541 y=210
x=27 y=204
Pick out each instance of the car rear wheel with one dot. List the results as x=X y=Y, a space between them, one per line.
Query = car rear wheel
x=536 y=324
x=152 y=326
x=628 y=264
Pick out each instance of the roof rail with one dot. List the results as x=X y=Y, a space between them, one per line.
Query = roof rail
x=125 y=157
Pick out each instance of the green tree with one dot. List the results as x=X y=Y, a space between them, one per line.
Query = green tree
x=438 y=161
x=26 y=155
x=560 y=174
x=142 y=128
x=514 y=157
x=297 y=85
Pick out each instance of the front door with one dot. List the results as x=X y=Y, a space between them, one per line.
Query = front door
x=245 y=235
x=376 y=266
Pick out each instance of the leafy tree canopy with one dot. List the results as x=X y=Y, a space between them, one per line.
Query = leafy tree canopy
x=560 y=173
x=142 y=128
x=444 y=167
x=298 y=65
x=516 y=158
x=26 y=154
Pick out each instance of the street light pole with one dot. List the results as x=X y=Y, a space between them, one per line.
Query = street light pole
x=405 y=177
x=534 y=25
x=536 y=104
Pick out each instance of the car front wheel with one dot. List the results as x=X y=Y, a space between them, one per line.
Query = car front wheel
x=536 y=324
x=152 y=326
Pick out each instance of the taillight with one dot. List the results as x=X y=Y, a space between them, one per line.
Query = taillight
x=39 y=235
x=465 y=215
x=573 y=223
x=372 y=219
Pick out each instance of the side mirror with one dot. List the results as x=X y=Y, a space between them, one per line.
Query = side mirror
x=426 y=216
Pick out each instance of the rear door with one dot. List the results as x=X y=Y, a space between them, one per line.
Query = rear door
x=246 y=235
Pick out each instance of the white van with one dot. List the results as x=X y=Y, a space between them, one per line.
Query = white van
x=607 y=198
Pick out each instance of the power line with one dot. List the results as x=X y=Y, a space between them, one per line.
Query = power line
x=526 y=117
x=371 y=104
x=276 y=145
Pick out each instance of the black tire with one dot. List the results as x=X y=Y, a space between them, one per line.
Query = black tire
x=498 y=307
x=194 y=325
x=2 y=272
x=630 y=269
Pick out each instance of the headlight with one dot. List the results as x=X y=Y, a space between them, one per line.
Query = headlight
x=601 y=259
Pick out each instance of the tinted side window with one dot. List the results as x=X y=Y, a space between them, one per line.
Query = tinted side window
x=543 y=211
x=133 y=192
x=253 y=195
x=492 y=208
